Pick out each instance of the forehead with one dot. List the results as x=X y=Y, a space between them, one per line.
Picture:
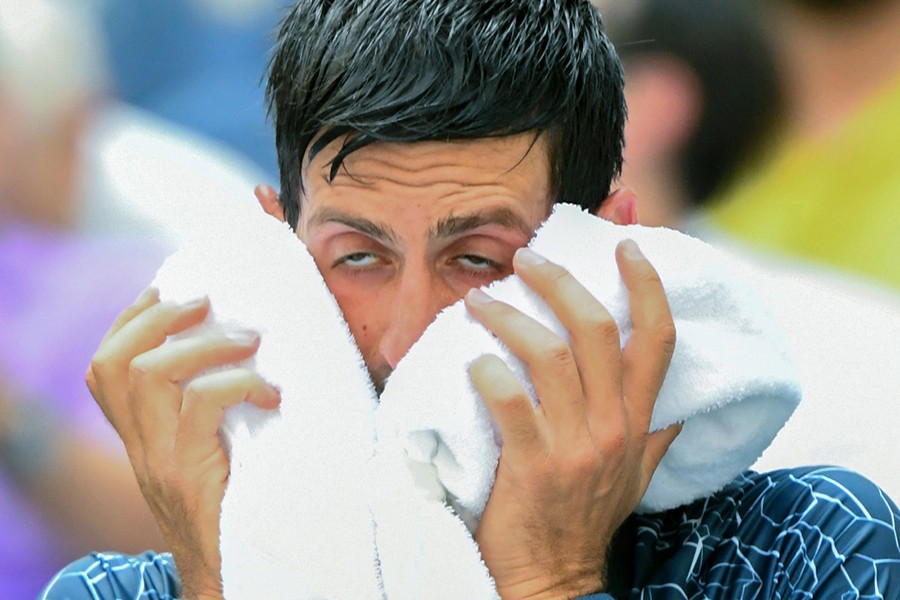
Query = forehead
x=512 y=169
x=485 y=158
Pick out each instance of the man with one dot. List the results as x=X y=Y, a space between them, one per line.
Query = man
x=421 y=143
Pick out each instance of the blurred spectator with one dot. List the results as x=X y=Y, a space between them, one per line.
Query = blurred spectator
x=47 y=99
x=198 y=63
x=702 y=92
x=703 y=96
x=830 y=189
x=83 y=183
x=65 y=482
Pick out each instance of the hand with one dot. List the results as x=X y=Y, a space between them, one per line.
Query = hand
x=170 y=435
x=574 y=468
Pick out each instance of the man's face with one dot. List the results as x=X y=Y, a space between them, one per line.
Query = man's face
x=405 y=230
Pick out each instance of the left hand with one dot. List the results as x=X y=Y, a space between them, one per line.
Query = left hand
x=171 y=434
x=574 y=468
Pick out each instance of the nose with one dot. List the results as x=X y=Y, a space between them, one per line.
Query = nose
x=417 y=300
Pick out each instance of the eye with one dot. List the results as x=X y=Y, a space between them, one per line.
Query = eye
x=358 y=260
x=473 y=262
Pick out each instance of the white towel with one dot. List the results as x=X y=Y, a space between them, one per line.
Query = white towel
x=336 y=496
x=295 y=518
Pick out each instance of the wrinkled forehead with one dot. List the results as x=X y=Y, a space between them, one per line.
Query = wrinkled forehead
x=477 y=161
x=422 y=184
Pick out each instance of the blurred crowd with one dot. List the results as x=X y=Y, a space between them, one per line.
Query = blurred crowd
x=770 y=128
x=108 y=141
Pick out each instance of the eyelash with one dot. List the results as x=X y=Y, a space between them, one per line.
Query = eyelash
x=490 y=266
x=344 y=260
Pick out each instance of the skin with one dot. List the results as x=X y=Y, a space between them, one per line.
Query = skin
x=393 y=237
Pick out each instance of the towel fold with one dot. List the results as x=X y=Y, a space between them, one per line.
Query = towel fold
x=338 y=496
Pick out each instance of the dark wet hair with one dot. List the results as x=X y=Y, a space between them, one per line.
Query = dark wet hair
x=416 y=70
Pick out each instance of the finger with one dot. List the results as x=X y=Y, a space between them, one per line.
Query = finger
x=593 y=332
x=148 y=298
x=509 y=404
x=551 y=362
x=110 y=370
x=205 y=401
x=97 y=367
x=148 y=330
x=658 y=444
x=649 y=350
x=180 y=359
x=156 y=374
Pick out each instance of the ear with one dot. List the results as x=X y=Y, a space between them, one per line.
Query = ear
x=268 y=200
x=620 y=207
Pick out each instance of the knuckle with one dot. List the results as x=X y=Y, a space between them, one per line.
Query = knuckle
x=519 y=432
x=515 y=402
x=139 y=367
x=558 y=352
x=614 y=444
x=97 y=368
x=90 y=377
x=648 y=275
x=600 y=325
x=584 y=462
x=193 y=393
x=556 y=273
x=667 y=336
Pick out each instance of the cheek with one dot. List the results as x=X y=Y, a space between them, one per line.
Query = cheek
x=361 y=312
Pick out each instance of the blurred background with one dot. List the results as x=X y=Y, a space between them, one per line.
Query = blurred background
x=120 y=123
x=774 y=123
x=770 y=128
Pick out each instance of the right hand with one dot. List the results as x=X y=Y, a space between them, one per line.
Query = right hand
x=573 y=468
x=172 y=436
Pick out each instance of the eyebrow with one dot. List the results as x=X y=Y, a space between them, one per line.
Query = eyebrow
x=456 y=225
x=451 y=226
x=376 y=230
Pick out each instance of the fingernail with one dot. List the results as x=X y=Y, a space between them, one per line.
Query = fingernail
x=150 y=292
x=526 y=256
x=630 y=250
x=244 y=337
x=478 y=297
x=276 y=393
x=268 y=398
x=195 y=303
